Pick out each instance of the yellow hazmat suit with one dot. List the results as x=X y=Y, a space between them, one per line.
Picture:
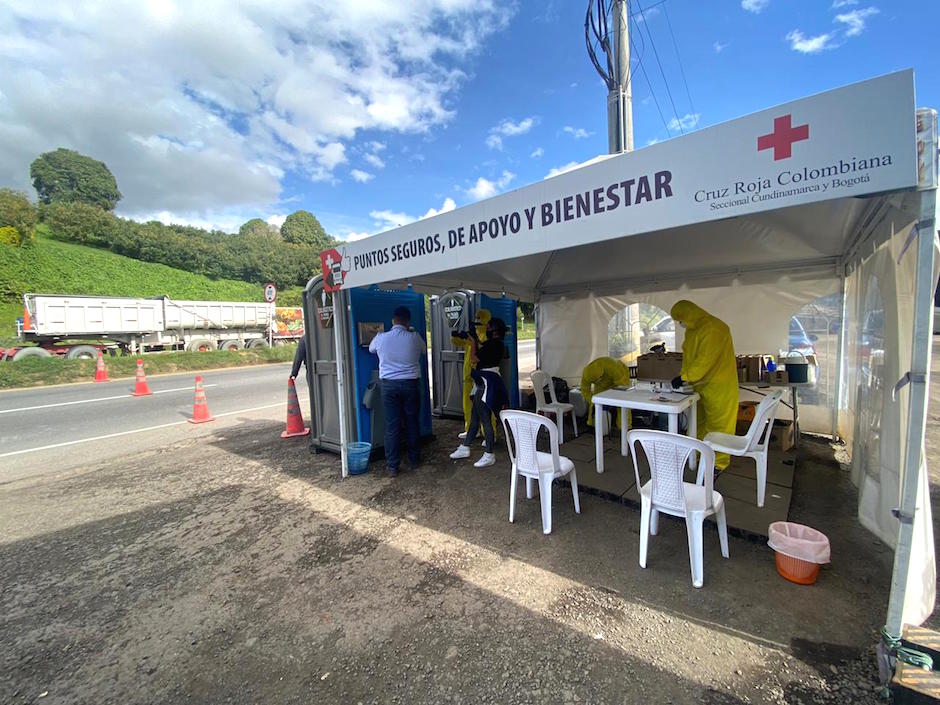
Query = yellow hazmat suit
x=603 y=373
x=708 y=364
x=482 y=319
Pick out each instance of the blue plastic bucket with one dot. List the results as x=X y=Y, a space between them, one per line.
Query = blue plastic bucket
x=357 y=456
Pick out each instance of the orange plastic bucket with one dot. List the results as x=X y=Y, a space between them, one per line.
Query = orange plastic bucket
x=797 y=571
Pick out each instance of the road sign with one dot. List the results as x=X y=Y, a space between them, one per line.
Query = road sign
x=270 y=293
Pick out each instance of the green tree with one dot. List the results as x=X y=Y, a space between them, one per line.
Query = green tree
x=65 y=176
x=258 y=228
x=81 y=223
x=303 y=228
x=17 y=214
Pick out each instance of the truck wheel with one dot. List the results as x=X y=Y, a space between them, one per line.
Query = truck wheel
x=258 y=343
x=230 y=345
x=82 y=352
x=201 y=345
x=31 y=352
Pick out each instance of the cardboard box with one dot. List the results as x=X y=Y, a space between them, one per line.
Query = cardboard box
x=781 y=436
x=658 y=366
x=777 y=377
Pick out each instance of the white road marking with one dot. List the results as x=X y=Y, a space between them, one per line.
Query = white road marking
x=92 y=401
x=136 y=430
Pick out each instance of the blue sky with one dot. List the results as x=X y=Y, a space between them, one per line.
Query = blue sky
x=371 y=114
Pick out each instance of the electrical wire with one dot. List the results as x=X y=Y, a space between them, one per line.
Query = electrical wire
x=649 y=83
x=661 y=71
x=676 y=46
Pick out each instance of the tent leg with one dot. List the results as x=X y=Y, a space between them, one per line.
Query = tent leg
x=917 y=412
x=840 y=365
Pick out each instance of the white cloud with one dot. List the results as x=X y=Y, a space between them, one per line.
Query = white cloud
x=537 y=153
x=754 y=6
x=448 y=206
x=652 y=141
x=375 y=160
x=855 y=20
x=386 y=219
x=719 y=47
x=361 y=176
x=211 y=121
x=508 y=128
x=836 y=4
x=645 y=15
x=555 y=171
x=579 y=133
x=686 y=122
x=352 y=237
x=276 y=220
x=810 y=45
x=484 y=188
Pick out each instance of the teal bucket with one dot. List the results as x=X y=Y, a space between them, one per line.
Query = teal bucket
x=357 y=457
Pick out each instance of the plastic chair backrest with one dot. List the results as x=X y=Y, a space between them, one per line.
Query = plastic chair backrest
x=522 y=433
x=763 y=419
x=668 y=457
x=540 y=380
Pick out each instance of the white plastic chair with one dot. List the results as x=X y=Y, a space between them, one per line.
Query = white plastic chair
x=522 y=430
x=666 y=491
x=754 y=444
x=541 y=380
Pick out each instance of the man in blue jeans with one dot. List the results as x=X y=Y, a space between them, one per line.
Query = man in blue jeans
x=399 y=351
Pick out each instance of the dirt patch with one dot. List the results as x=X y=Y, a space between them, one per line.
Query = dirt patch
x=258 y=575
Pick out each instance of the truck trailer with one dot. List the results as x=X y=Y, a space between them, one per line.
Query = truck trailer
x=80 y=326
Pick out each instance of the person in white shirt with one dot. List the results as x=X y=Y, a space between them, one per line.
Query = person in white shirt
x=399 y=351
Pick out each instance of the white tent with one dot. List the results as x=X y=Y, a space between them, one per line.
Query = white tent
x=751 y=219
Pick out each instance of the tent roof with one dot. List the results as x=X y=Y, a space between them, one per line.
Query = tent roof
x=785 y=189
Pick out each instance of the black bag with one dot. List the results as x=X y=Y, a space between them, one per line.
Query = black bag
x=561 y=389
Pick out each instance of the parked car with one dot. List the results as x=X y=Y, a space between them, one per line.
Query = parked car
x=799 y=340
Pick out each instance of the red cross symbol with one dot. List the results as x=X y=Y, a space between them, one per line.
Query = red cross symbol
x=783 y=137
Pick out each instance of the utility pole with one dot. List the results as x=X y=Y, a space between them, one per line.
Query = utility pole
x=620 y=97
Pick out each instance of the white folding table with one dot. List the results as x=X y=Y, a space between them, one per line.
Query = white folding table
x=671 y=403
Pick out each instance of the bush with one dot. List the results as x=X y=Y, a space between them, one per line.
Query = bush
x=17 y=213
x=80 y=222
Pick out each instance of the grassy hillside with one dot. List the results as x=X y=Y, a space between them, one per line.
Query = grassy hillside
x=53 y=267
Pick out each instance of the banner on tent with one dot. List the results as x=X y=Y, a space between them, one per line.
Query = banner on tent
x=850 y=141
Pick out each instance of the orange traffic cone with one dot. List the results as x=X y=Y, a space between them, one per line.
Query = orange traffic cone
x=295 y=420
x=200 y=406
x=101 y=372
x=141 y=389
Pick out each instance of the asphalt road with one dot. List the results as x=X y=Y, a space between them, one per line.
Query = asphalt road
x=54 y=428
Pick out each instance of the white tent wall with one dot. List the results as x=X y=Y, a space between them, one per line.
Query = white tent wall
x=874 y=420
x=582 y=323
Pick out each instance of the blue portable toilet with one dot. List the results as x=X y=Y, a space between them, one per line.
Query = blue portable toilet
x=355 y=316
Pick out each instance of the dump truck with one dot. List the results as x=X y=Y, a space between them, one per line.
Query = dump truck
x=81 y=326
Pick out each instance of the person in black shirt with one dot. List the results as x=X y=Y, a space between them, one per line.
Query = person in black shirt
x=490 y=395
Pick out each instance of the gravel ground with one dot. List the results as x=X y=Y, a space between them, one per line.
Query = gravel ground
x=239 y=568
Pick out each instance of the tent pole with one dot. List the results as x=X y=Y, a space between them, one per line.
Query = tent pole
x=917 y=410
x=339 y=329
x=840 y=365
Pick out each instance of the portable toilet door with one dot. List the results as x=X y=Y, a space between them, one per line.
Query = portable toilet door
x=320 y=309
x=453 y=311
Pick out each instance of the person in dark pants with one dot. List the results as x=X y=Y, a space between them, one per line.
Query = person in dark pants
x=300 y=357
x=399 y=351
x=490 y=396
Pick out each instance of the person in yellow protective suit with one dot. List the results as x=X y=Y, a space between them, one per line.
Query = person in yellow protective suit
x=463 y=342
x=603 y=373
x=708 y=364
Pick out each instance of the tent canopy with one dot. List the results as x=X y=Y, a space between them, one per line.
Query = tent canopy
x=756 y=217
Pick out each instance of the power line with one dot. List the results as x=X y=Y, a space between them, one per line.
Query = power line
x=681 y=69
x=661 y=71
x=649 y=83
